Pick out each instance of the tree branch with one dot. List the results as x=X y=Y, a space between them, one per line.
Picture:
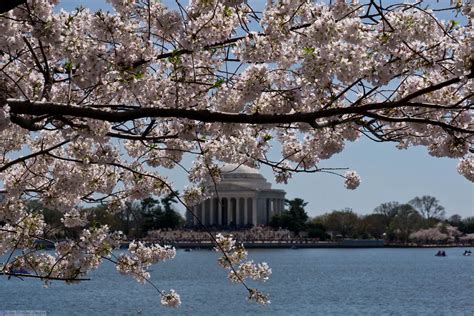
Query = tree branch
x=25 y=275
x=38 y=153
x=207 y=116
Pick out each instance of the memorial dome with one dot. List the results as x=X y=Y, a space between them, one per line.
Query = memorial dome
x=238 y=169
x=243 y=176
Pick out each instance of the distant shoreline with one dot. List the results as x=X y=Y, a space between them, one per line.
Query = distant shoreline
x=287 y=244
x=349 y=244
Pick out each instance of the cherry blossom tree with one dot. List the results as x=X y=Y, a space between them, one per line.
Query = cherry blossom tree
x=429 y=235
x=439 y=233
x=93 y=106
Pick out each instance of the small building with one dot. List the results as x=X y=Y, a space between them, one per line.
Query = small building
x=244 y=198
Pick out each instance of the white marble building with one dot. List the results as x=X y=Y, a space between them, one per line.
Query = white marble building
x=246 y=199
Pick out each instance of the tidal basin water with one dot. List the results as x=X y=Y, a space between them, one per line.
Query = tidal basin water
x=304 y=282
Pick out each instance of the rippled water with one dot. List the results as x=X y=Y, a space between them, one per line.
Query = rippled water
x=304 y=282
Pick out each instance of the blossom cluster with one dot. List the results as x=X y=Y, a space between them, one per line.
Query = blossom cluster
x=94 y=105
x=233 y=259
x=71 y=260
x=74 y=218
x=431 y=234
x=170 y=299
x=438 y=233
x=258 y=296
x=4 y=117
x=352 y=180
x=466 y=167
x=20 y=233
x=141 y=258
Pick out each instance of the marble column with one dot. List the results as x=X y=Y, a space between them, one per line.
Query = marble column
x=230 y=211
x=202 y=211
x=219 y=211
x=246 y=209
x=211 y=211
x=195 y=215
x=237 y=212
x=254 y=211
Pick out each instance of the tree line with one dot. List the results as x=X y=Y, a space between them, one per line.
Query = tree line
x=135 y=219
x=392 y=221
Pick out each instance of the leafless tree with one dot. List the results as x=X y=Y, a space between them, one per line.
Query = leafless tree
x=428 y=206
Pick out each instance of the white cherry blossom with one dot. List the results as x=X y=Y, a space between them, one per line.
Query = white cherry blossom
x=93 y=106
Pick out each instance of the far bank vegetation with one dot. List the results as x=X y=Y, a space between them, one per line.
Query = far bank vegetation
x=421 y=220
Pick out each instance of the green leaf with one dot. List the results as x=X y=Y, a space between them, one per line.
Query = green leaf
x=68 y=66
x=308 y=50
x=174 y=59
x=218 y=83
x=453 y=24
x=139 y=75
x=227 y=11
x=384 y=38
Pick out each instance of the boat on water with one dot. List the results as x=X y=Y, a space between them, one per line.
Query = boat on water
x=467 y=253
x=440 y=253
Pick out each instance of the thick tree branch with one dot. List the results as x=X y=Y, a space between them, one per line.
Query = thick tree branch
x=25 y=275
x=56 y=109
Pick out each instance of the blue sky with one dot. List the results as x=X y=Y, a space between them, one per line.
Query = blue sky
x=388 y=174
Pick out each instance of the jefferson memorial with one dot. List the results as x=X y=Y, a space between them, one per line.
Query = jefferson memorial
x=246 y=199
